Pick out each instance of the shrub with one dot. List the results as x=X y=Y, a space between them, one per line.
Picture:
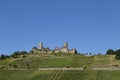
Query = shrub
x=10 y=64
x=15 y=66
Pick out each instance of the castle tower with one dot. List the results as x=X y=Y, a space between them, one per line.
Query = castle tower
x=40 y=46
x=64 y=49
x=65 y=45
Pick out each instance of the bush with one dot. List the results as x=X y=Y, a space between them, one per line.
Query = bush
x=117 y=52
x=17 y=53
x=24 y=56
x=110 y=52
x=15 y=66
x=10 y=64
x=2 y=57
x=68 y=66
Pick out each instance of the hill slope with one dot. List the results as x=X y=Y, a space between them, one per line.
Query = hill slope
x=58 y=75
x=57 y=61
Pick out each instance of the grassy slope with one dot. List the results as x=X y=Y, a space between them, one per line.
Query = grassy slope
x=47 y=61
x=38 y=61
x=59 y=75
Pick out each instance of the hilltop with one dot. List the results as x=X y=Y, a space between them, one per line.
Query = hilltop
x=63 y=57
x=60 y=60
x=30 y=67
x=59 y=64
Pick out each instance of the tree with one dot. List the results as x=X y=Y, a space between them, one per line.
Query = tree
x=23 y=52
x=86 y=54
x=2 y=56
x=90 y=54
x=17 y=53
x=117 y=52
x=110 y=52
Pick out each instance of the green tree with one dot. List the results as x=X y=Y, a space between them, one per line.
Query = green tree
x=2 y=56
x=15 y=54
x=117 y=52
x=86 y=54
x=110 y=52
x=90 y=54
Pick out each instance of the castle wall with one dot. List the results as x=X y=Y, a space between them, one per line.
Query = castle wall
x=73 y=51
x=56 y=51
x=42 y=50
x=64 y=50
x=50 y=51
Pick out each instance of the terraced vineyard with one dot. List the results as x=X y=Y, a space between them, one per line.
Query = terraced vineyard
x=51 y=61
x=30 y=68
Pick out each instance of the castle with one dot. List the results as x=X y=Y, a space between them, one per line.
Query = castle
x=64 y=49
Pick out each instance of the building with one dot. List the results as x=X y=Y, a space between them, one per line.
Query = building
x=42 y=50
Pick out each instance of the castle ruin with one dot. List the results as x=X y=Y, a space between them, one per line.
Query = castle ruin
x=64 y=49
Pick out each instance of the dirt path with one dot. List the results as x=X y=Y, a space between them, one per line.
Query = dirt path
x=106 y=68
x=60 y=68
x=67 y=69
x=77 y=69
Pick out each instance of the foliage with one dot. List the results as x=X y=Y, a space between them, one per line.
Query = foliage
x=2 y=57
x=110 y=52
x=15 y=66
x=17 y=53
x=117 y=52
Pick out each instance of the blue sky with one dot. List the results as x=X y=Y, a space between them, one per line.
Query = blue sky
x=87 y=25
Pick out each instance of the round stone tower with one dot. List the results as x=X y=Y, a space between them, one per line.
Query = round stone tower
x=40 y=46
x=65 y=45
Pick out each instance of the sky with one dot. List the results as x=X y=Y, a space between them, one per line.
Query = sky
x=90 y=26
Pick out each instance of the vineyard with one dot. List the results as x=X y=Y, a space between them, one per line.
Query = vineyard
x=58 y=75
x=51 y=61
x=30 y=68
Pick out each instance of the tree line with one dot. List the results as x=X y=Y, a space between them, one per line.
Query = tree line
x=15 y=54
